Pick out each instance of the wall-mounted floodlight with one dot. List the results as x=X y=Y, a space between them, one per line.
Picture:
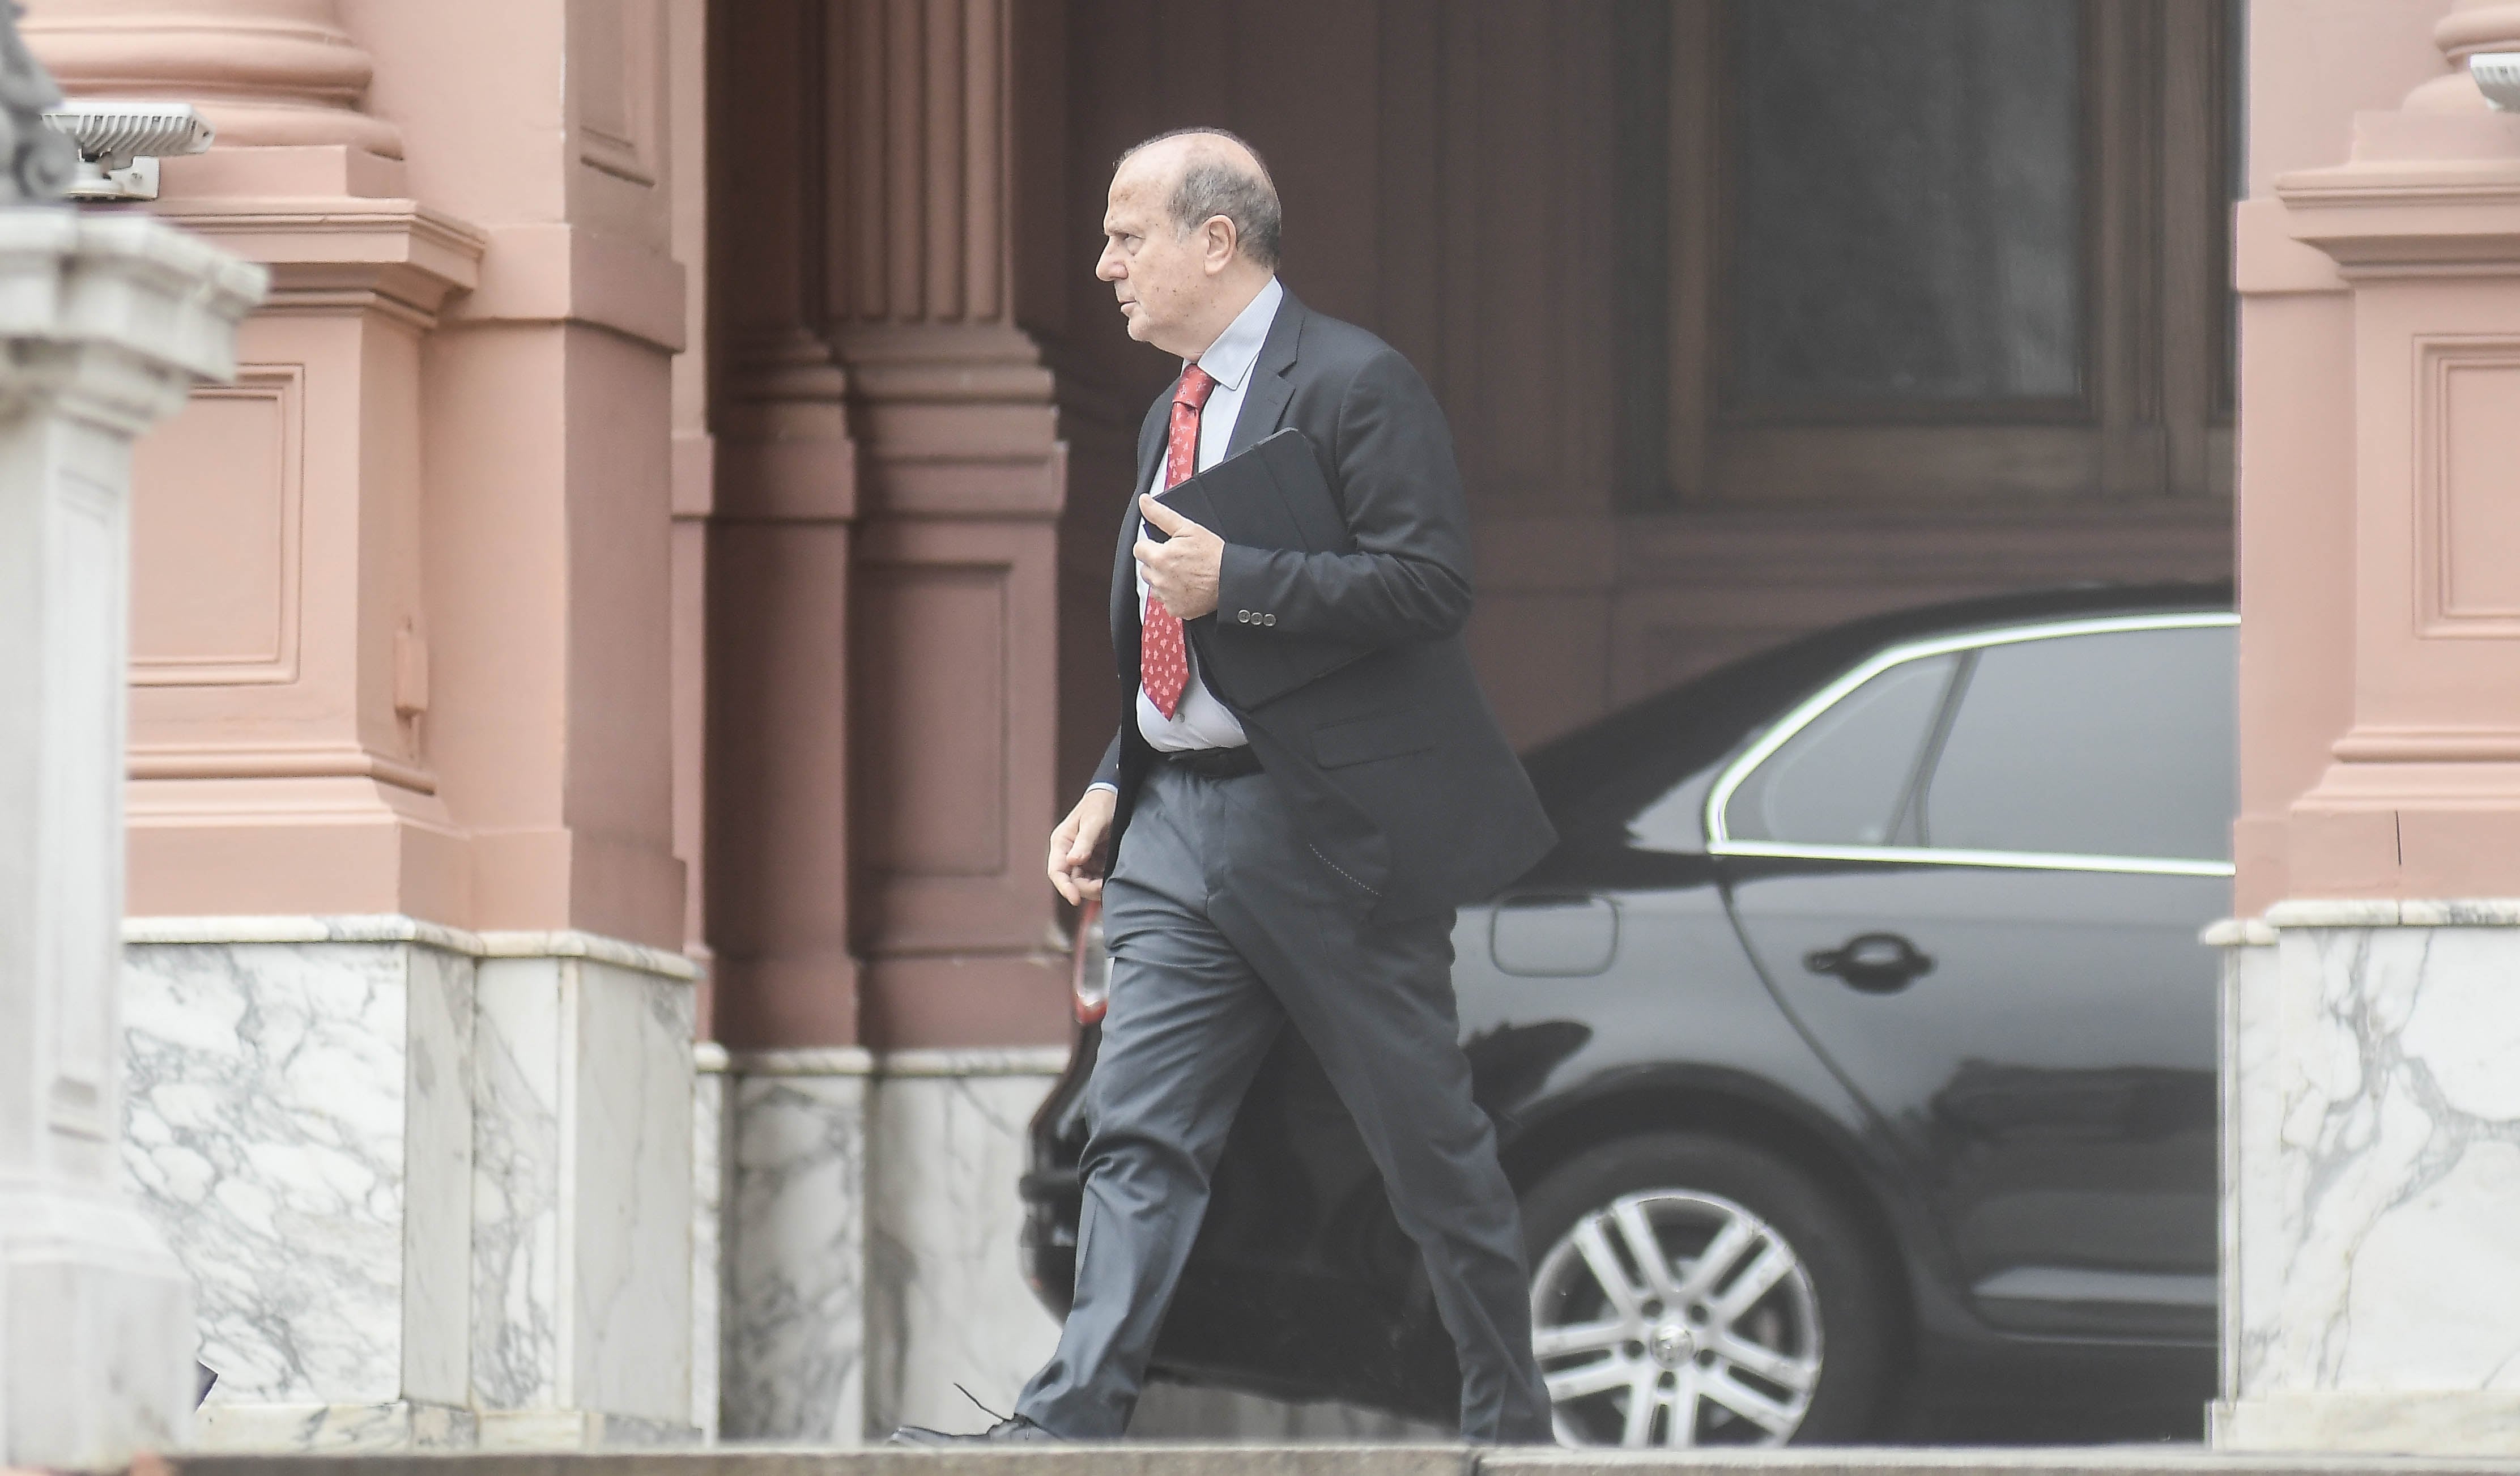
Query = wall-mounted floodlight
x=120 y=143
x=2497 y=76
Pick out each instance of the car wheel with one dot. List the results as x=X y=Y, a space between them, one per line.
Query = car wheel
x=1691 y=1290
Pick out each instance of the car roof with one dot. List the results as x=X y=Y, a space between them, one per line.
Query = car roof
x=1627 y=756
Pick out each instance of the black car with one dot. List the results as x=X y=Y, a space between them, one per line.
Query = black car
x=1853 y=1057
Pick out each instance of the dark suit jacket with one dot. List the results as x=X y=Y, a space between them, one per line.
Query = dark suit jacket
x=1394 y=766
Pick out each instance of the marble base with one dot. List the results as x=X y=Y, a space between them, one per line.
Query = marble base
x=414 y=1170
x=710 y=1154
x=581 y=1216
x=796 y=1267
x=872 y=1259
x=2458 y=1422
x=2371 y=1270
x=401 y=1425
x=951 y=1305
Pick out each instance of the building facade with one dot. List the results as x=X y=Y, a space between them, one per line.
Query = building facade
x=603 y=672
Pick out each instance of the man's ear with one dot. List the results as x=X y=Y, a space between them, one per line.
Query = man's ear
x=1218 y=233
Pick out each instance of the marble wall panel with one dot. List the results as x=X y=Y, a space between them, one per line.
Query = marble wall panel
x=520 y=1027
x=709 y=1158
x=2372 y=1280
x=437 y=1178
x=265 y=1103
x=948 y=1303
x=630 y=1202
x=582 y=1153
x=797 y=1272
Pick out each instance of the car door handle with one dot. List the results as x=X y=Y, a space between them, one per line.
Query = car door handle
x=1874 y=962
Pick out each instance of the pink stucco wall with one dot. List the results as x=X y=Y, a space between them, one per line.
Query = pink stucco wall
x=2379 y=733
x=402 y=616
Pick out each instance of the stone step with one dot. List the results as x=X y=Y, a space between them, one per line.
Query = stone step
x=1161 y=1460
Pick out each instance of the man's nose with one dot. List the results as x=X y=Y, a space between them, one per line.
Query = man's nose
x=1107 y=266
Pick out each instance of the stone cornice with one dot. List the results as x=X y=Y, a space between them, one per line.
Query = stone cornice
x=324 y=254
x=556 y=272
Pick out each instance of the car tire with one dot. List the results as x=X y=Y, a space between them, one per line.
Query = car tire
x=1684 y=1189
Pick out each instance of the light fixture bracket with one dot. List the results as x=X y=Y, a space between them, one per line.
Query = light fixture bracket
x=119 y=143
x=2497 y=76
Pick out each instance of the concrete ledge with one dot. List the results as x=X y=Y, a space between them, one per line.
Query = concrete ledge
x=1155 y=1460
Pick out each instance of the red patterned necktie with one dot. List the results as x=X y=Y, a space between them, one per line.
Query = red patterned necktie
x=1163 y=657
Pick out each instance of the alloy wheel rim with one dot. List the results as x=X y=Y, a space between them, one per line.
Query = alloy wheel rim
x=1676 y=1318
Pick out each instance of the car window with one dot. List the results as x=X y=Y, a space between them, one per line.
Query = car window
x=2113 y=744
x=1842 y=779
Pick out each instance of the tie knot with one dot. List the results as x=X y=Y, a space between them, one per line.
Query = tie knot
x=1196 y=384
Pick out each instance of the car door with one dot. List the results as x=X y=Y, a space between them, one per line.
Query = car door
x=1974 y=871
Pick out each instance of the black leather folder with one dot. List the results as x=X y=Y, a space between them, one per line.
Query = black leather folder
x=1272 y=496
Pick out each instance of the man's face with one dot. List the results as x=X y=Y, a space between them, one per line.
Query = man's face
x=1157 y=274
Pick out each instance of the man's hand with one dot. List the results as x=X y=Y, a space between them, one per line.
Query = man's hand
x=1181 y=573
x=1076 y=846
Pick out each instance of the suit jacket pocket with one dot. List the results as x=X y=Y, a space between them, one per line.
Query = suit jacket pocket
x=1385 y=735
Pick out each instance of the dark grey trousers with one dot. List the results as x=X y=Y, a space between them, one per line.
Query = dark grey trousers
x=1223 y=925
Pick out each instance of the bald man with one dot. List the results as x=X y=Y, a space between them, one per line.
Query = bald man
x=1293 y=861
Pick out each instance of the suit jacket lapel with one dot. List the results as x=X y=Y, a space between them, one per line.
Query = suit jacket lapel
x=1264 y=400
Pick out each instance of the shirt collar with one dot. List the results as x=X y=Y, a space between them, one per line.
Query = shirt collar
x=1229 y=360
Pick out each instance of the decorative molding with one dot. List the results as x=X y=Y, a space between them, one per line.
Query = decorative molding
x=179 y=761
x=394 y=927
x=619 y=88
x=2429 y=746
x=284 y=387
x=397 y=256
x=2447 y=499
x=562 y=273
x=265 y=72
x=919 y=154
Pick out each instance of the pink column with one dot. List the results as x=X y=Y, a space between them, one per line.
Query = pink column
x=2372 y=1284
x=2421 y=797
x=387 y=580
x=963 y=478
x=882 y=624
x=281 y=638
x=784 y=494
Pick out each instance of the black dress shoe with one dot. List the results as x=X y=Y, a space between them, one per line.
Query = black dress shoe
x=1017 y=1428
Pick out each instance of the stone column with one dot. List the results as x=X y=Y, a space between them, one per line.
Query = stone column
x=2372 y=1275
x=108 y=320
x=884 y=645
x=943 y=126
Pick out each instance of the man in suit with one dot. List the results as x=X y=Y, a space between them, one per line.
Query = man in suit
x=1296 y=861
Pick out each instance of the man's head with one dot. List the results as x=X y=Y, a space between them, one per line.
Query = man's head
x=1189 y=237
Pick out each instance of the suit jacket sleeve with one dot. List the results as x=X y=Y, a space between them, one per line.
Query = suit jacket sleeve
x=1109 y=771
x=1409 y=579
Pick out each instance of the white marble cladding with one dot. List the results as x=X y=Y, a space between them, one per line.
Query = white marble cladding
x=710 y=1155
x=435 y=1187
x=873 y=1252
x=950 y=1303
x=300 y=1126
x=796 y=1275
x=582 y=1184
x=2372 y=1275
